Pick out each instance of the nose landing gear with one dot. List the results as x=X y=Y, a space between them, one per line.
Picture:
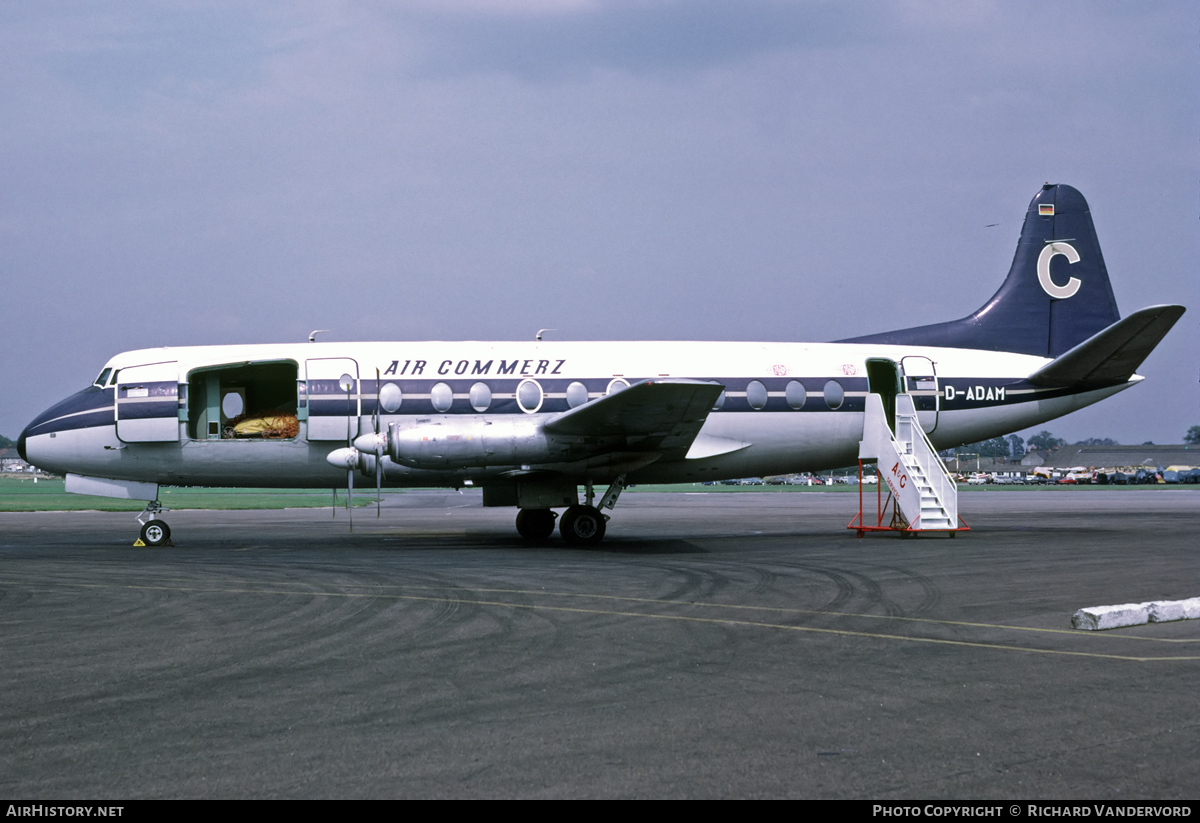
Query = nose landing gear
x=155 y=532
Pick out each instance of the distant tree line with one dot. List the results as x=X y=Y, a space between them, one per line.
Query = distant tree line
x=998 y=448
x=1014 y=447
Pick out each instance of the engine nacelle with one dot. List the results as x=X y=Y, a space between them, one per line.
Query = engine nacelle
x=450 y=442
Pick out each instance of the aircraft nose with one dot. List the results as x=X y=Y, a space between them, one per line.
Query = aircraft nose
x=84 y=409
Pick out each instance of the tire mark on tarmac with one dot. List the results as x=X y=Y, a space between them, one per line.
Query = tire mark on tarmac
x=478 y=601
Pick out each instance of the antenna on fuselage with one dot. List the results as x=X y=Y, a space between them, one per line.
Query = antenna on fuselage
x=538 y=336
x=312 y=336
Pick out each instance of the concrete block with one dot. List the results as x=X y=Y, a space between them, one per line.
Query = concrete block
x=1167 y=610
x=1096 y=618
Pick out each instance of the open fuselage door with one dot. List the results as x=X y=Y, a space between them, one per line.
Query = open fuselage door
x=921 y=382
x=883 y=379
x=148 y=403
x=332 y=409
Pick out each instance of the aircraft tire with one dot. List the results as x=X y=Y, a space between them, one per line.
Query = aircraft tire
x=582 y=526
x=156 y=533
x=535 y=524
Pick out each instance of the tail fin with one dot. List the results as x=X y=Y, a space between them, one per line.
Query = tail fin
x=1057 y=293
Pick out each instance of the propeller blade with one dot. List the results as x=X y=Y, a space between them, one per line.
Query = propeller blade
x=349 y=454
x=378 y=454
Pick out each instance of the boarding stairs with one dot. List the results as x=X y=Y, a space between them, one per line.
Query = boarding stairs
x=922 y=493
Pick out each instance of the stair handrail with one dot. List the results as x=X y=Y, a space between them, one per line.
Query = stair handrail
x=938 y=476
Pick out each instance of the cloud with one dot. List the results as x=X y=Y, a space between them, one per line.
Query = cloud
x=655 y=37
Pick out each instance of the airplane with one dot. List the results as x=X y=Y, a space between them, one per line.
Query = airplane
x=530 y=422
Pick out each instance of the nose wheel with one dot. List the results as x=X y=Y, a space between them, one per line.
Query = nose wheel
x=155 y=532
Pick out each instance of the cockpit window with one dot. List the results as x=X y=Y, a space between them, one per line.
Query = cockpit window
x=102 y=379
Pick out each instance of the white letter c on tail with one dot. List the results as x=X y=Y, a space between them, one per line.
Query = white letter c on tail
x=1043 y=268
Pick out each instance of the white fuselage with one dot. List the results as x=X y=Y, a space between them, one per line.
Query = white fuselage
x=159 y=417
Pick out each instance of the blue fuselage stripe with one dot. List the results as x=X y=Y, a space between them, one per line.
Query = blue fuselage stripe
x=94 y=407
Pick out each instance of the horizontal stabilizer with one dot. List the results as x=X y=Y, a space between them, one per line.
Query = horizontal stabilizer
x=1113 y=354
x=648 y=408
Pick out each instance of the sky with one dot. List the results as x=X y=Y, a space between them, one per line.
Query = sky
x=188 y=173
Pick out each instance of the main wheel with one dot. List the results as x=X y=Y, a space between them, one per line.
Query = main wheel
x=156 y=532
x=535 y=524
x=582 y=526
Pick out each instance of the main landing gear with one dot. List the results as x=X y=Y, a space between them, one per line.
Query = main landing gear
x=579 y=525
x=535 y=524
x=155 y=532
x=583 y=525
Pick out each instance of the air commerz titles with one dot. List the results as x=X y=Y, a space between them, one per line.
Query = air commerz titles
x=460 y=367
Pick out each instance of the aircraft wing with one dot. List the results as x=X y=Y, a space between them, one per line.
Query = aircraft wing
x=664 y=415
x=1112 y=354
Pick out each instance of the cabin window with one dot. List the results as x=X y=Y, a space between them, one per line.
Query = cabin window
x=390 y=397
x=442 y=397
x=615 y=385
x=720 y=401
x=834 y=394
x=529 y=396
x=243 y=401
x=795 y=394
x=577 y=394
x=481 y=397
x=233 y=403
x=756 y=394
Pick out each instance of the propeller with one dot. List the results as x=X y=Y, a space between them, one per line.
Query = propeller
x=347 y=458
x=373 y=442
x=350 y=458
x=378 y=452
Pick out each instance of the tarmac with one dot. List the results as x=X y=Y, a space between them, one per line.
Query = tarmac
x=716 y=645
